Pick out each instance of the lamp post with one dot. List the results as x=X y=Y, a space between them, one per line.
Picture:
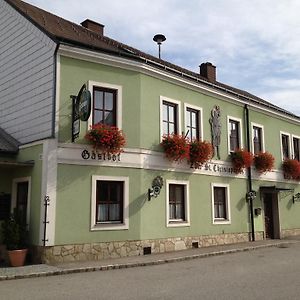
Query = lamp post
x=159 y=38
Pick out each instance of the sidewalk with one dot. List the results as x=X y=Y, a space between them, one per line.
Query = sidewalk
x=136 y=261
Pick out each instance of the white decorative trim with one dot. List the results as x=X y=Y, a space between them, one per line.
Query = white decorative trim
x=125 y=224
x=289 y=144
x=240 y=132
x=179 y=223
x=200 y=121
x=49 y=188
x=71 y=154
x=118 y=89
x=262 y=136
x=176 y=102
x=292 y=142
x=14 y=196
x=120 y=62
x=221 y=221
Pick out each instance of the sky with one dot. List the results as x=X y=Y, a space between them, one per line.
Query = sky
x=254 y=44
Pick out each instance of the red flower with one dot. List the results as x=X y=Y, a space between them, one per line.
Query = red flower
x=241 y=159
x=175 y=146
x=107 y=139
x=291 y=169
x=200 y=152
x=264 y=162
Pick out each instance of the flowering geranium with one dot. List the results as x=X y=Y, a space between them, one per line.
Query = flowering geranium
x=291 y=169
x=200 y=152
x=105 y=138
x=176 y=147
x=264 y=162
x=241 y=159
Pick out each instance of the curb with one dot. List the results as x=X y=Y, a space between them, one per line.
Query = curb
x=140 y=264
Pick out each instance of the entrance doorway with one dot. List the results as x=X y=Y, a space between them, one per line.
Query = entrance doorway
x=271 y=215
x=22 y=200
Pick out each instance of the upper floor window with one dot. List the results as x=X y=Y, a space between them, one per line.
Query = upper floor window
x=257 y=139
x=285 y=145
x=296 y=148
x=106 y=104
x=234 y=134
x=170 y=122
x=193 y=122
x=104 y=110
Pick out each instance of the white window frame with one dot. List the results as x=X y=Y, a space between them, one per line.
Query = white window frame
x=14 y=196
x=262 y=136
x=240 y=132
x=217 y=221
x=200 y=121
x=178 y=223
x=292 y=144
x=110 y=226
x=289 y=144
x=118 y=88
x=176 y=102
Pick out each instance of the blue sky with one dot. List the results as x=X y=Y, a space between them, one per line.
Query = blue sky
x=254 y=44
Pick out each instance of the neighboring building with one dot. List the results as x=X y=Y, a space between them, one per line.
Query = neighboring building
x=98 y=206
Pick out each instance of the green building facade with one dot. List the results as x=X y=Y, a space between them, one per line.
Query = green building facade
x=98 y=206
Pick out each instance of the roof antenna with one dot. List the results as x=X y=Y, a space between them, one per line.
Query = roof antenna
x=159 y=38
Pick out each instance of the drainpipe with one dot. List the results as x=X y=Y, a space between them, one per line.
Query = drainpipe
x=249 y=175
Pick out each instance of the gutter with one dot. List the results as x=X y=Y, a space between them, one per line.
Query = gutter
x=250 y=199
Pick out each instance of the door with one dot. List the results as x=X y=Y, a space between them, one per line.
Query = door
x=22 y=200
x=271 y=213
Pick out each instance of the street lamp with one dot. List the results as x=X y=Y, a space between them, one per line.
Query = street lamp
x=159 y=38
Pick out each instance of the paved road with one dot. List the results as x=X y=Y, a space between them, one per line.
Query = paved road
x=271 y=273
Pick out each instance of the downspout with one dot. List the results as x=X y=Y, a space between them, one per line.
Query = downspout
x=250 y=199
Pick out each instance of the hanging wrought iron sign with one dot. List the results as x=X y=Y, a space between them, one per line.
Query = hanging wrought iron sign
x=83 y=103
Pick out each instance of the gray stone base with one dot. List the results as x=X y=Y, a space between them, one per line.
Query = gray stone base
x=289 y=232
x=98 y=251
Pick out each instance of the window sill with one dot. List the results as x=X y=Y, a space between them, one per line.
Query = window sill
x=178 y=223
x=221 y=221
x=109 y=226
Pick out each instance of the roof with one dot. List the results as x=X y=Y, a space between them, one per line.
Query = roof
x=7 y=143
x=64 y=31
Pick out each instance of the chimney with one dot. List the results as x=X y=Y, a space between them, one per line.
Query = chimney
x=208 y=70
x=94 y=26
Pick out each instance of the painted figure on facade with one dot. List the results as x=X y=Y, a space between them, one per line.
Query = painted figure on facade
x=215 y=123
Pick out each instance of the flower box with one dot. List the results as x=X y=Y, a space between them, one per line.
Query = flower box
x=176 y=147
x=241 y=159
x=200 y=152
x=291 y=169
x=106 y=139
x=264 y=162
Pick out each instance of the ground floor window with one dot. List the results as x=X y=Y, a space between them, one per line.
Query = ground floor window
x=177 y=203
x=109 y=203
x=220 y=204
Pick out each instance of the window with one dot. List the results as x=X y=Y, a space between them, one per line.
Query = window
x=104 y=110
x=296 y=148
x=177 y=203
x=106 y=104
x=170 y=122
x=234 y=134
x=285 y=145
x=193 y=119
x=258 y=145
x=109 y=203
x=220 y=203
